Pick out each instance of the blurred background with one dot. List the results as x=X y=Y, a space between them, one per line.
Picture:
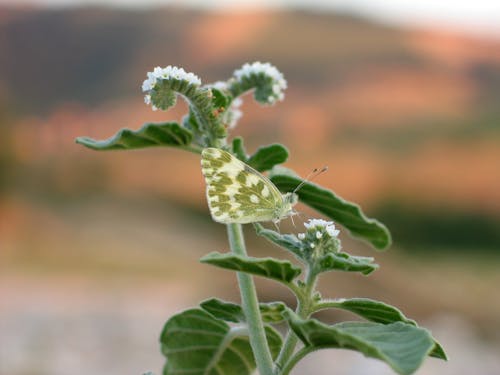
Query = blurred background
x=400 y=99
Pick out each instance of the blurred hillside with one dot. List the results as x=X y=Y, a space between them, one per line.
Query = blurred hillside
x=407 y=120
x=97 y=249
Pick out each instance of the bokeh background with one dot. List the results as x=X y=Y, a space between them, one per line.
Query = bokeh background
x=97 y=250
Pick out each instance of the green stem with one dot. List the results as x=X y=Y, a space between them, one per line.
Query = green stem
x=297 y=357
x=192 y=148
x=303 y=311
x=250 y=305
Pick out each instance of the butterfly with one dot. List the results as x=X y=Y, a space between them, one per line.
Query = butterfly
x=237 y=193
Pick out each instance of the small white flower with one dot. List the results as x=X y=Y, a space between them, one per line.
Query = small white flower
x=301 y=236
x=329 y=226
x=169 y=72
x=233 y=114
x=312 y=245
x=319 y=235
x=317 y=223
x=220 y=85
x=332 y=231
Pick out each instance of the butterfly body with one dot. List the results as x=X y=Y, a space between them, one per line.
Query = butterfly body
x=237 y=193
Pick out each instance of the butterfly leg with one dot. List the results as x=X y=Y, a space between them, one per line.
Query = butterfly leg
x=277 y=226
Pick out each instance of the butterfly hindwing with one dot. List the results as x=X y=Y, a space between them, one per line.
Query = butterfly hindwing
x=236 y=192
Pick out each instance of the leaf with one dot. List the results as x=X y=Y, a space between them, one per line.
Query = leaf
x=378 y=312
x=402 y=346
x=267 y=157
x=287 y=241
x=219 y=100
x=272 y=312
x=161 y=134
x=239 y=149
x=280 y=270
x=341 y=211
x=346 y=262
x=231 y=312
x=227 y=311
x=438 y=351
x=369 y=309
x=196 y=343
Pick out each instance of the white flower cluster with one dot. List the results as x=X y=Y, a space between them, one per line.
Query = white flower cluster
x=219 y=85
x=279 y=82
x=328 y=226
x=321 y=236
x=234 y=113
x=169 y=72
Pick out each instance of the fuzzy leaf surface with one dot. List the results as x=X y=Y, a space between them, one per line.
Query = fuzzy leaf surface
x=231 y=312
x=219 y=100
x=378 y=312
x=196 y=343
x=287 y=241
x=341 y=211
x=402 y=346
x=267 y=157
x=346 y=262
x=280 y=270
x=374 y=311
x=239 y=149
x=151 y=134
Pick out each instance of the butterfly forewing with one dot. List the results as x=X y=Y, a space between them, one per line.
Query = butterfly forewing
x=236 y=192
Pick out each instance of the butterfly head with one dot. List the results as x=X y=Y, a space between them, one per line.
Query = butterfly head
x=281 y=212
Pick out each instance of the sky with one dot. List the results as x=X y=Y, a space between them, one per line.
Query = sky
x=477 y=16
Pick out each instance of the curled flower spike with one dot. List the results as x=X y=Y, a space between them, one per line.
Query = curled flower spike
x=169 y=72
x=166 y=74
x=272 y=86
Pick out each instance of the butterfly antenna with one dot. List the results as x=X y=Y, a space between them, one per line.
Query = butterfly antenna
x=277 y=226
x=314 y=173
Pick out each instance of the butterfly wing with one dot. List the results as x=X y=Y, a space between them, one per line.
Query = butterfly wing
x=236 y=192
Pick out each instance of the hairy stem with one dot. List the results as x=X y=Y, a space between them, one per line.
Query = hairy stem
x=250 y=305
x=297 y=357
x=303 y=311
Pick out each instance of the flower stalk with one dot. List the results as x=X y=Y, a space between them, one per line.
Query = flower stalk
x=250 y=305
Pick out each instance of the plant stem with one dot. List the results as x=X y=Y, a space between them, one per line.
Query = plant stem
x=250 y=305
x=297 y=357
x=303 y=311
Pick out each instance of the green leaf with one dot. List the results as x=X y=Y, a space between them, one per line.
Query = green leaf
x=346 y=262
x=378 y=312
x=287 y=241
x=438 y=351
x=162 y=134
x=239 y=149
x=329 y=262
x=341 y=211
x=196 y=343
x=231 y=312
x=267 y=157
x=272 y=312
x=280 y=270
x=219 y=100
x=402 y=346
x=369 y=309
x=227 y=311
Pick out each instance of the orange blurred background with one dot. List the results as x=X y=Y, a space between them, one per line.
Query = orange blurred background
x=97 y=250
